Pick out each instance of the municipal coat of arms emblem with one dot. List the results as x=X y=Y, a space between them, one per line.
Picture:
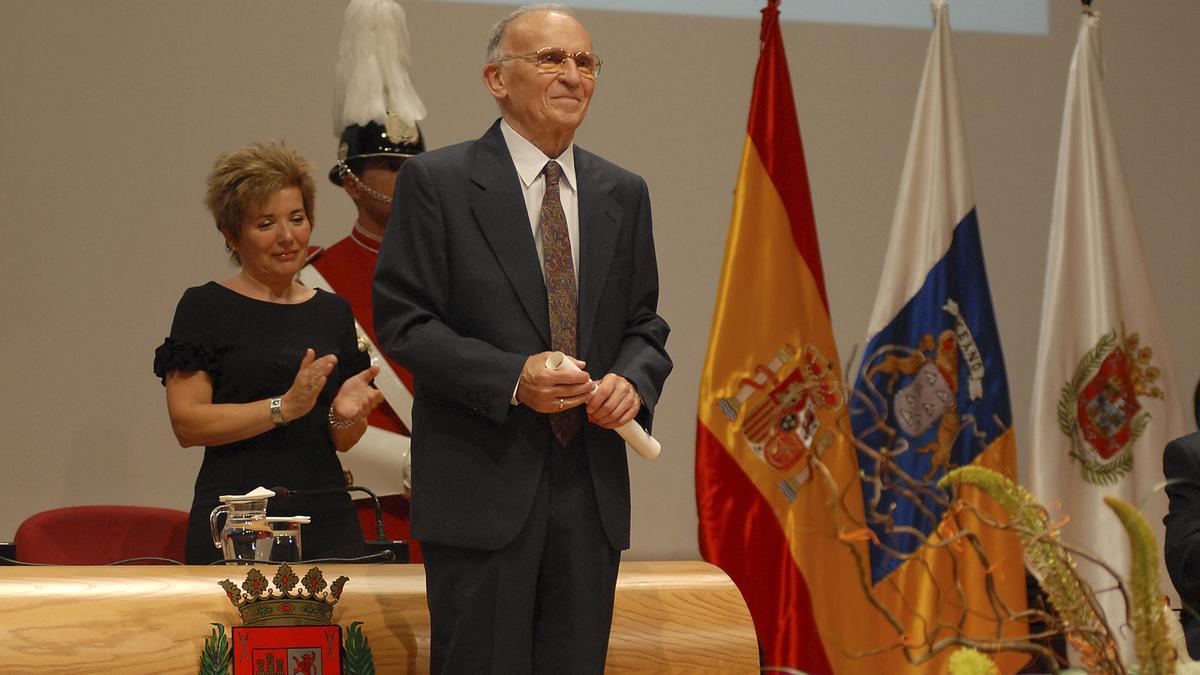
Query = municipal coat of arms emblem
x=775 y=410
x=286 y=629
x=1099 y=408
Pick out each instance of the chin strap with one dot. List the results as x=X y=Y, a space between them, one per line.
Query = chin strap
x=371 y=192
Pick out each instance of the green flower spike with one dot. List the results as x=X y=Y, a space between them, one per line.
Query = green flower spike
x=1046 y=560
x=1155 y=653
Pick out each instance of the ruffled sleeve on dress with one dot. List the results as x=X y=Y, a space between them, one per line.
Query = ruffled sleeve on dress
x=190 y=346
x=178 y=355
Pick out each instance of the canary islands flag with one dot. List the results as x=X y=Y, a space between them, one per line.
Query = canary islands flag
x=931 y=392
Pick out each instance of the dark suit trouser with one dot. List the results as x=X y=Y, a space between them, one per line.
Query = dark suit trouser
x=542 y=604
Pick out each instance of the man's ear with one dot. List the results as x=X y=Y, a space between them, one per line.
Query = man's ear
x=351 y=187
x=493 y=79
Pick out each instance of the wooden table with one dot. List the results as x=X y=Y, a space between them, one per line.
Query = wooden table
x=669 y=617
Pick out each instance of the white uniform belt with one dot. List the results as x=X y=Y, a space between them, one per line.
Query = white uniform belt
x=387 y=381
x=381 y=457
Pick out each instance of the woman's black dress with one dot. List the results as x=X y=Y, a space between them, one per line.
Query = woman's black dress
x=252 y=349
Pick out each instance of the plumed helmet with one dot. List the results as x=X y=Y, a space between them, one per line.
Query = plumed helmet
x=375 y=107
x=360 y=141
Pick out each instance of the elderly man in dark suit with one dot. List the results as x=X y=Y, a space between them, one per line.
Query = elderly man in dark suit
x=499 y=252
x=1181 y=466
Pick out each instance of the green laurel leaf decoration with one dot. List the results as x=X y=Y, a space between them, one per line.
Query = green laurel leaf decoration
x=1066 y=412
x=1067 y=421
x=1138 y=425
x=216 y=657
x=1106 y=473
x=359 y=660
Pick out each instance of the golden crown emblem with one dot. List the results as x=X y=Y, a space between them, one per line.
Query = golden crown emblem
x=287 y=600
x=1141 y=372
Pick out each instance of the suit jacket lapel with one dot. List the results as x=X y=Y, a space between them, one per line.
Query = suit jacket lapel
x=599 y=222
x=501 y=214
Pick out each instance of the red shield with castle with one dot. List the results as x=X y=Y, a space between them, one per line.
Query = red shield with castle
x=1107 y=405
x=1100 y=410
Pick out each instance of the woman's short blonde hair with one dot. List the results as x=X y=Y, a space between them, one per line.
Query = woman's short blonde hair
x=249 y=175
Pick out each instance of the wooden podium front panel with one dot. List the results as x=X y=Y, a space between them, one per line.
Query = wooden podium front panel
x=680 y=617
x=668 y=617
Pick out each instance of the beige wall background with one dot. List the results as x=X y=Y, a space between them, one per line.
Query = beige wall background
x=112 y=112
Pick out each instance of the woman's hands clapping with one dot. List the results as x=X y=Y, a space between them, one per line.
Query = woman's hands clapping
x=310 y=380
x=357 y=398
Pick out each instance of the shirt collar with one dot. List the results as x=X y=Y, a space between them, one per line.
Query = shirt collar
x=365 y=239
x=530 y=160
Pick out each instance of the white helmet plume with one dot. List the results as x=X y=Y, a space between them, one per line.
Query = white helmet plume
x=373 y=84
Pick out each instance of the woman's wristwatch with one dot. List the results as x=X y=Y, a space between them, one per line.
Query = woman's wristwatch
x=277 y=411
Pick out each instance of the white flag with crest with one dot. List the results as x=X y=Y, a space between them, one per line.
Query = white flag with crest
x=1104 y=400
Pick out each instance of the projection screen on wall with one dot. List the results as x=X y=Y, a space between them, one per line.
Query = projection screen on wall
x=1028 y=17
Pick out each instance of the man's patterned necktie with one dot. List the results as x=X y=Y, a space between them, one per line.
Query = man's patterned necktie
x=560 y=292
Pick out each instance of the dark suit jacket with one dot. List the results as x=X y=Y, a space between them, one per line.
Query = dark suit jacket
x=1181 y=462
x=460 y=302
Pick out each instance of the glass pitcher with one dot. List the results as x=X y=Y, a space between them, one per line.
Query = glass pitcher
x=246 y=534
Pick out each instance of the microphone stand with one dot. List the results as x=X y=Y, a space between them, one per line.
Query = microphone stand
x=398 y=549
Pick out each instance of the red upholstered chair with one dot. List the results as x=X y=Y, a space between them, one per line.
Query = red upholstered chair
x=98 y=535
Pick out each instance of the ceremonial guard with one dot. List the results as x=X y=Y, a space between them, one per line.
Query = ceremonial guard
x=375 y=115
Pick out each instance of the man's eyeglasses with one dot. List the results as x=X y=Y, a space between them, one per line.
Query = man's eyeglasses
x=554 y=60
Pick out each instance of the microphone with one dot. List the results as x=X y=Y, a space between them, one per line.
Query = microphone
x=381 y=543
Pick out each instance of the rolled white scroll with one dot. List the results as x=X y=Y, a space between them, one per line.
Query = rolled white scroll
x=634 y=435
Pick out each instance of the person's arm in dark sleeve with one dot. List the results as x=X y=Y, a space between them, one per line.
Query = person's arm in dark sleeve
x=411 y=306
x=1182 y=549
x=643 y=358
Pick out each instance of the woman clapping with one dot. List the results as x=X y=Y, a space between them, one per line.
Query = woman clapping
x=264 y=372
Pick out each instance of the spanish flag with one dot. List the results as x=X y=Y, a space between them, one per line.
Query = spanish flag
x=780 y=501
x=771 y=394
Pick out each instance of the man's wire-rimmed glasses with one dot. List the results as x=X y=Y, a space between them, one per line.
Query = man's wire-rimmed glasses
x=554 y=60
